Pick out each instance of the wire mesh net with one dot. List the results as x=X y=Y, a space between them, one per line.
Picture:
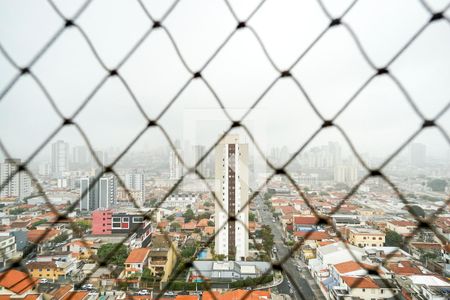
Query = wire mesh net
x=241 y=24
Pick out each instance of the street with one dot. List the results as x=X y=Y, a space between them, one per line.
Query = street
x=290 y=265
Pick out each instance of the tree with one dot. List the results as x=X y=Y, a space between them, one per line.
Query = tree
x=251 y=217
x=210 y=223
x=170 y=218
x=188 y=215
x=417 y=211
x=61 y=238
x=437 y=185
x=208 y=204
x=80 y=228
x=175 y=227
x=188 y=252
x=16 y=211
x=114 y=254
x=393 y=239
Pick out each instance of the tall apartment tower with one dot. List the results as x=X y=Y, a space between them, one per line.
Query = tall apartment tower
x=60 y=158
x=199 y=151
x=19 y=185
x=232 y=192
x=101 y=195
x=136 y=182
x=175 y=165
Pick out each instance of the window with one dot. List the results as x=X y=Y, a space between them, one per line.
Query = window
x=138 y=219
x=116 y=220
x=125 y=220
x=363 y=290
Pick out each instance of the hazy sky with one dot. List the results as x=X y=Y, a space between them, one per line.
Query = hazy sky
x=377 y=121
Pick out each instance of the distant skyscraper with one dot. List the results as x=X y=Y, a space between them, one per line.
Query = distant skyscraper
x=199 y=151
x=135 y=182
x=232 y=193
x=418 y=154
x=60 y=158
x=19 y=185
x=80 y=156
x=101 y=195
x=345 y=173
x=175 y=165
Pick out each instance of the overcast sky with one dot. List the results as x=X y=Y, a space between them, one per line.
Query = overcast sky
x=378 y=121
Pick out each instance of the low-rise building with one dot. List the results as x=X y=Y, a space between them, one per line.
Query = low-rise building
x=366 y=237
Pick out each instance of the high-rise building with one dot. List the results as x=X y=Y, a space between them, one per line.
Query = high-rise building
x=19 y=185
x=418 y=154
x=135 y=182
x=346 y=173
x=199 y=151
x=80 y=157
x=101 y=195
x=175 y=165
x=60 y=158
x=232 y=193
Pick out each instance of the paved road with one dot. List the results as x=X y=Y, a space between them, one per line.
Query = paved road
x=302 y=279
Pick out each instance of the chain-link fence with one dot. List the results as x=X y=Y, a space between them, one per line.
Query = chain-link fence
x=197 y=75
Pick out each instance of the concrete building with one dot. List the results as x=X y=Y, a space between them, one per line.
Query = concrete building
x=345 y=173
x=7 y=249
x=60 y=158
x=135 y=182
x=365 y=237
x=232 y=194
x=18 y=186
x=175 y=165
x=101 y=195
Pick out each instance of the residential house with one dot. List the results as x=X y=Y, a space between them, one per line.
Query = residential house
x=15 y=282
x=402 y=227
x=363 y=288
x=162 y=257
x=365 y=237
x=136 y=261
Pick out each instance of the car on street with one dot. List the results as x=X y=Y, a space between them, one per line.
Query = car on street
x=43 y=280
x=169 y=293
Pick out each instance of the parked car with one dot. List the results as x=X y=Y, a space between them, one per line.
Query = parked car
x=143 y=292
x=169 y=293
x=43 y=280
x=87 y=286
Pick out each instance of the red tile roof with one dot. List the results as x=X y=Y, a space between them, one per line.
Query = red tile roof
x=313 y=236
x=360 y=282
x=76 y=295
x=186 y=297
x=17 y=281
x=39 y=236
x=347 y=267
x=236 y=295
x=305 y=220
x=137 y=255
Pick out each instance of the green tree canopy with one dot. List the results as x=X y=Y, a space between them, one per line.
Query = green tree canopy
x=188 y=215
x=393 y=239
x=111 y=255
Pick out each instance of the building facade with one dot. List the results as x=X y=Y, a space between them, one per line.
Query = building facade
x=102 y=194
x=18 y=186
x=232 y=194
x=60 y=158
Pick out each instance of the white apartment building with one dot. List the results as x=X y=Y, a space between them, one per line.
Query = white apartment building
x=60 y=158
x=19 y=185
x=135 y=183
x=232 y=194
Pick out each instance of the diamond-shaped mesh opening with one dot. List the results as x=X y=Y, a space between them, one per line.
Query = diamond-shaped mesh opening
x=113 y=42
